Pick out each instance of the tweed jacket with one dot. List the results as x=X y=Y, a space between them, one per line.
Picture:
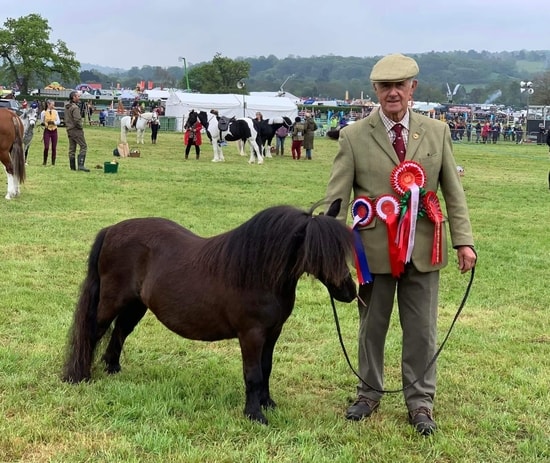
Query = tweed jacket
x=363 y=166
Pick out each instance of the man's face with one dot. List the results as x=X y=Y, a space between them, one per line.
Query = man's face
x=394 y=97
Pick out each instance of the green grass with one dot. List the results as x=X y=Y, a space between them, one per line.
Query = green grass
x=181 y=401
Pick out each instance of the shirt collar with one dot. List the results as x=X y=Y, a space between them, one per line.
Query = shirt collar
x=388 y=123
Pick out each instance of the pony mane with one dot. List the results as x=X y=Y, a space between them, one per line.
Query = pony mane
x=287 y=241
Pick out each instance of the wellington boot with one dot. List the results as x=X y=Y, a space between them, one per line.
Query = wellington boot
x=81 y=167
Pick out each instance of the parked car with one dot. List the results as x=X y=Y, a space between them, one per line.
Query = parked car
x=11 y=104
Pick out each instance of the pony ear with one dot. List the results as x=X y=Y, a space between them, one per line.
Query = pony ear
x=334 y=208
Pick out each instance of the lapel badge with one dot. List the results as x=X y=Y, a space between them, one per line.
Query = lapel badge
x=415 y=136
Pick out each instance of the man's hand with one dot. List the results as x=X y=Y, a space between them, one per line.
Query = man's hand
x=466 y=258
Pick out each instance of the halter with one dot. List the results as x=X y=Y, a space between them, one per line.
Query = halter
x=30 y=114
x=430 y=363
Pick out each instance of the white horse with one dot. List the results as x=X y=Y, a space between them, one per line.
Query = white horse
x=241 y=129
x=141 y=124
x=28 y=118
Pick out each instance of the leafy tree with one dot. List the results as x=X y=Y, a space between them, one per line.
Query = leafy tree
x=219 y=76
x=541 y=84
x=27 y=57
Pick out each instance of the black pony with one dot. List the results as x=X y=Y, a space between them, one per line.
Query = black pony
x=239 y=284
x=266 y=131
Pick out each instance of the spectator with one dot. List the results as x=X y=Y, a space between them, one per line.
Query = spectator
x=485 y=131
x=280 y=135
x=102 y=117
x=495 y=132
x=478 y=131
x=309 y=134
x=540 y=136
x=297 y=138
x=75 y=132
x=49 y=118
x=155 y=125
x=518 y=129
x=192 y=137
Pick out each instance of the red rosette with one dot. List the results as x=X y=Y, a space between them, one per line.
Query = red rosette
x=388 y=210
x=407 y=174
x=434 y=213
x=386 y=205
x=432 y=207
x=362 y=211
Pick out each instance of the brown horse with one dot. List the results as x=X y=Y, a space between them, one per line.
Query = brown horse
x=240 y=284
x=12 y=153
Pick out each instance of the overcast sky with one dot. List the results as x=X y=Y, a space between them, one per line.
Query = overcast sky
x=127 y=33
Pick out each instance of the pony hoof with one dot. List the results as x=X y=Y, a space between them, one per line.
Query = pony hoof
x=269 y=403
x=112 y=369
x=258 y=417
x=74 y=379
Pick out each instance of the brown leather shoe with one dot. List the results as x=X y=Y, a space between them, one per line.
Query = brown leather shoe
x=363 y=407
x=422 y=420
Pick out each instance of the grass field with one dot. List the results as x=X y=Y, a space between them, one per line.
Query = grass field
x=181 y=401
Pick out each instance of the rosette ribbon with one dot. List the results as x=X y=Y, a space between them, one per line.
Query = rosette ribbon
x=407 y=179
x=362 y=212
x=387 y=209
x=432 y=207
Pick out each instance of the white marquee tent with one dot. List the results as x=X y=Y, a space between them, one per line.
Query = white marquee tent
x=288 y=95
x=179 y=104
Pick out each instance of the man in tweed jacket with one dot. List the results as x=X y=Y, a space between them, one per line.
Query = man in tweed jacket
x=363 y=167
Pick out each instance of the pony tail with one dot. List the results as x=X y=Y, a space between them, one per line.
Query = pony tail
x=17 y=153
x=83 y=334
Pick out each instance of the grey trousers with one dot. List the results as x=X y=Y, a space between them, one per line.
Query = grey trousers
x=417 y=301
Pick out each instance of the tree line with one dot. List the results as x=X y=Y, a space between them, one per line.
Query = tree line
x=30 y=61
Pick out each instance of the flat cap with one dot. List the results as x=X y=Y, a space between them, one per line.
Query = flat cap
x=394 y=68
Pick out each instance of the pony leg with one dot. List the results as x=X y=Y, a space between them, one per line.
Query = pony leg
x=240 y=145
x=124 y=325
x=215 y=150
x=13 y=187
x=251 y=349
x=267 y=363
x=255 y=148
x=218 y=153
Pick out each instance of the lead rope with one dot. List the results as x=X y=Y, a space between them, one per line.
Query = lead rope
x=431 y=362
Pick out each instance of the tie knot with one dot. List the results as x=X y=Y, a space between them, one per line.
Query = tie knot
x=397 y=128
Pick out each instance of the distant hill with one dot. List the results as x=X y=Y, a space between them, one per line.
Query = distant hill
x=478 y=74
x=103 y=69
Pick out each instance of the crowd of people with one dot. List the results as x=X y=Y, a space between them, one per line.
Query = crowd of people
x=301 y=133
x=485 y=132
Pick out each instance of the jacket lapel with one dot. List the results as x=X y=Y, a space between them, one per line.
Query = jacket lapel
x=380 y=136
x=416 y=134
